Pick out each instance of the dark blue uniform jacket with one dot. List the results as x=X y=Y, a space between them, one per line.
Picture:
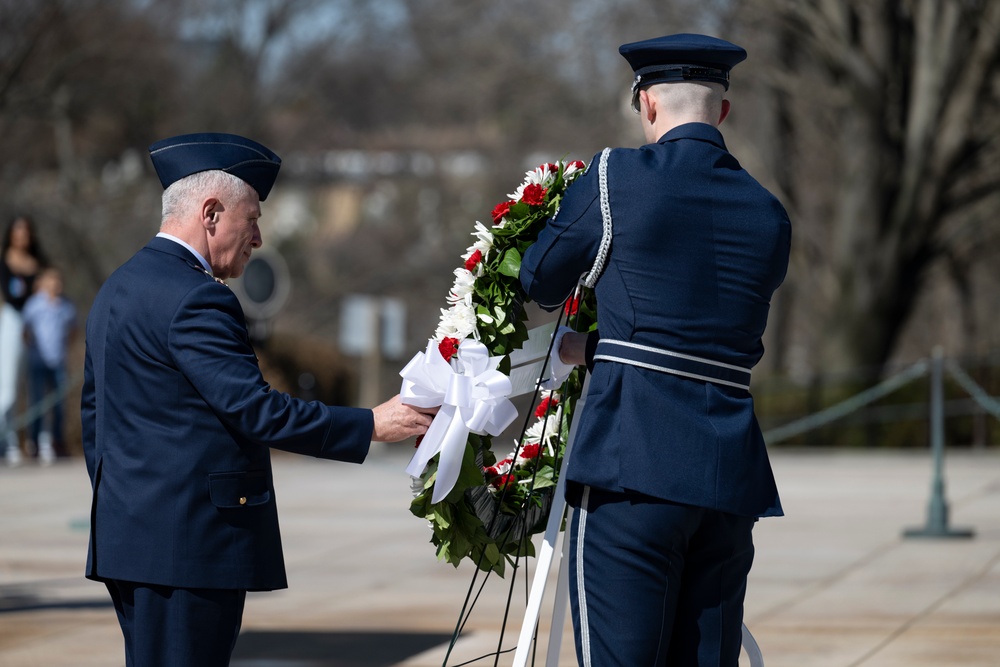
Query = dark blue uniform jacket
x=698 y=249
x=177 y=422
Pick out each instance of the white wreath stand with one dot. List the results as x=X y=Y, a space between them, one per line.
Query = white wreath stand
x=543 y=564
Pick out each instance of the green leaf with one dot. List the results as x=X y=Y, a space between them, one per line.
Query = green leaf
x=470 y=474
x=511 y=263
x=519 y=210
x=460 y=545
x=492 y=553
x=420 y=505
x=542 y=482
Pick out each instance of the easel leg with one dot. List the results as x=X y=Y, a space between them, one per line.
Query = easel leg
x=561 y=602
x=547 y=551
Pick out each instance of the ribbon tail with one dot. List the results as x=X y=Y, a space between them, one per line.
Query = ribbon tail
x=450 y=463
x=431 y=444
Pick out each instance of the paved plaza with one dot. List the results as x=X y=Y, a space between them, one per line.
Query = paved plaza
x=835 y=583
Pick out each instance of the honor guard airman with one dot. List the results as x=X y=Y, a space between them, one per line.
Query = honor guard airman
x=669 y=472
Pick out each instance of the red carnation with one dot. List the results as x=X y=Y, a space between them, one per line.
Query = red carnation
x=531 y=451
x=498 y=468
x=500 y=210
x=503 y=481
x=572 y=305
x=548 y=403
x=552 y=167
x=577 y=164
x=534 y=195
x=473 y=260
x=448 y=347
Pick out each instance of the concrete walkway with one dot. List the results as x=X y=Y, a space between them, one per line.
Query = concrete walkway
x=835 y=583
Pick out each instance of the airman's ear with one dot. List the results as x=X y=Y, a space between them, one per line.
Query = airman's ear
x=725 y=111
x=648 y=105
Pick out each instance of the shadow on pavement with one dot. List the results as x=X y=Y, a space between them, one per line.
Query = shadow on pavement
x=12 y=602
x=257 y=648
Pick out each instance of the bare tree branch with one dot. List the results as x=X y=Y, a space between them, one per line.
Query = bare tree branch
x=24 y=48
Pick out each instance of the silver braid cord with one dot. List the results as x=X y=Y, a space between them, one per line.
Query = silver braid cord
x=602 y=252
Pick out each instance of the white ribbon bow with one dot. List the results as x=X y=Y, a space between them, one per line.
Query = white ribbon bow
x=473 y=398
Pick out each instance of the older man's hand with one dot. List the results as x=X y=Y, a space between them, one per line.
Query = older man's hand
x=395 y=421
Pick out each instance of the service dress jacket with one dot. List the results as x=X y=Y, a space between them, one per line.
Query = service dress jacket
x=177 y=425
x=698 y=248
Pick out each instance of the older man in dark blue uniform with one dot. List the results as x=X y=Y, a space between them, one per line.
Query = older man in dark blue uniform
x=178 y=421
x=670 y=471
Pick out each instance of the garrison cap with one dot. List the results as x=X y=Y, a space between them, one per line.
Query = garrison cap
x=682 y=57
x=187 y=154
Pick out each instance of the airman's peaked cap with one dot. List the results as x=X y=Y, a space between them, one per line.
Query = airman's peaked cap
x=682 y=57
x=187 y=154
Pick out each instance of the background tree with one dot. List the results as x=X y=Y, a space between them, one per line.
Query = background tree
x=893 y=155
x=875 y=121
x=73 y=103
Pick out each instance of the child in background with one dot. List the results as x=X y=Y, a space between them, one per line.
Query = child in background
x=49 y=325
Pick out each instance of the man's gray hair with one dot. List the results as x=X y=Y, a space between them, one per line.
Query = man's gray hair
x=191 y=189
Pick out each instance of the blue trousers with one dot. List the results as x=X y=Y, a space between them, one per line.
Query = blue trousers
x=177 y=627
x=656 y=583
x=43 y=379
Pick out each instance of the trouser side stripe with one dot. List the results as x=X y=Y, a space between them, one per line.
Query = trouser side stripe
x=581 y=592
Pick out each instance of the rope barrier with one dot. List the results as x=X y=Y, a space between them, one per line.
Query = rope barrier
x=977 y=393
x=39 y=409
x=872 y=394
x=846 y=406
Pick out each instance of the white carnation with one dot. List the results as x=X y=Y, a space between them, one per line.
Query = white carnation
x=573 y=167
x=542 y=175
x=503 y=467
x=463 y=287
x=484 y=238
x=548 y=426
x=459 y=322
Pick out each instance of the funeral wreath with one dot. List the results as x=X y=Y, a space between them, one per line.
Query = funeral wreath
x=483 y=500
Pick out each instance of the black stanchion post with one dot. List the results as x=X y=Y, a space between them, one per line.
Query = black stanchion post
x=937 y=508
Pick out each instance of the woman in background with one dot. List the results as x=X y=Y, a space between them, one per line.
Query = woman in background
x=21 y=260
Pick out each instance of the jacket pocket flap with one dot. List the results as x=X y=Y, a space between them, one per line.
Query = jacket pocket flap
x=239 y=489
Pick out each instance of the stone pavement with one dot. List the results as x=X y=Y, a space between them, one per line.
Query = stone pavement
x=835 y=584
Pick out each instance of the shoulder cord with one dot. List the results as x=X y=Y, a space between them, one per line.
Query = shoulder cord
x=602 y=253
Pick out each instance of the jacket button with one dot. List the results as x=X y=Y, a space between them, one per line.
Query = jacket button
x=243 y=500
